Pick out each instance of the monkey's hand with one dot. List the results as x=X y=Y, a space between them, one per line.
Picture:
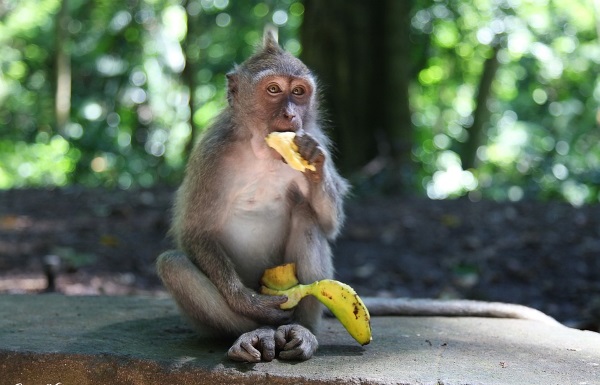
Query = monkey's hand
x=310 y=150
x=264 y=309
x=295 y=342
x=254 y=346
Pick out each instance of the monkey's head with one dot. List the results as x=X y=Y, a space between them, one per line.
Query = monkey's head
x=273 y=89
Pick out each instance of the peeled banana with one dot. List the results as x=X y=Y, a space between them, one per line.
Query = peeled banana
x=338 y=297
x=283 y=143
x=280 y=277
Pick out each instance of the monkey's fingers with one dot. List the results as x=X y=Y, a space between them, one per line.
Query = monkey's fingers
x=278 y=299
x=283 y=143
x=295 y=342
x=308 y=148
x=267 y=347
x=270 y=311
x=245 y=351
x=274 y=301
x=254 y=346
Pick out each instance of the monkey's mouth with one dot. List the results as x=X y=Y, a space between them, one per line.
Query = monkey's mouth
x=285 y=125
x=284 y=128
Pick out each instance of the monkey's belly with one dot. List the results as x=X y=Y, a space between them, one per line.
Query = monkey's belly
x=255 y=240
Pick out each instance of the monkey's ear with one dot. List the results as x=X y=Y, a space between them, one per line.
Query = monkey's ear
x=232 y=86
x=270 y=39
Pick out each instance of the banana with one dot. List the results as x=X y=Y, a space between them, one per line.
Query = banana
x=338 y=297
x=280 y=277
x=283 y=143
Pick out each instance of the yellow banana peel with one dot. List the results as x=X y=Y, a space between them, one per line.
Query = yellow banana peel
x=338 y=297
x=283 y=143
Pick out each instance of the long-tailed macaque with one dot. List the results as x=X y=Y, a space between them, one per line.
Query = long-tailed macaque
x=241 y=209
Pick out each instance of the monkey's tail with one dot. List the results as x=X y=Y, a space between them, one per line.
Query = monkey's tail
x=453 y=308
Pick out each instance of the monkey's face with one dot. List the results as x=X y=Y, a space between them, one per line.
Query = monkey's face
x=283 y=102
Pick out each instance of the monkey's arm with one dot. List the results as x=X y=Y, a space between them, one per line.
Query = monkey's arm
x=212 y=260
x=327 y=187
x=453 y=308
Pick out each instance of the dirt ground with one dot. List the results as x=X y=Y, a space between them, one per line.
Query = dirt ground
x=544 y=255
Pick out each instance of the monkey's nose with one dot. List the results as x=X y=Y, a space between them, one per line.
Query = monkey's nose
x=288 y=115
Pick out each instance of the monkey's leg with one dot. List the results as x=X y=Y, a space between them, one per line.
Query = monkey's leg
x=203 y=305
x=197 y=296
x=309 y=249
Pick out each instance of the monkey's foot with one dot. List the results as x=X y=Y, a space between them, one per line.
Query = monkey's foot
x=295 y=342
x=255 y=346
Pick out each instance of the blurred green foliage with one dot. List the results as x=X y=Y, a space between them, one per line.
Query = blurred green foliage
x=542 y=139
x=130 y=118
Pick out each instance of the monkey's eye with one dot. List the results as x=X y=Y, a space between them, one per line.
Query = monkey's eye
x=273 y=89
x=298 y=91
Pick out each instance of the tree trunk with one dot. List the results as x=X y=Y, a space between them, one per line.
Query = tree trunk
x=189 y=73
x=360 y=51
x=338 y=46
x=398 y=70
x=481 y=113
x=62 y=97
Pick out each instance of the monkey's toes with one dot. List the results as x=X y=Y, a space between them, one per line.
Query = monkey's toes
x=254 y=346
x=296 y=342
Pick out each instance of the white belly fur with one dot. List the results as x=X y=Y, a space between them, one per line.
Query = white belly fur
x=258 y=216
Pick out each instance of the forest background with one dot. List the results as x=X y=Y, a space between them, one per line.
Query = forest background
x=494 y=99
x=494 y=102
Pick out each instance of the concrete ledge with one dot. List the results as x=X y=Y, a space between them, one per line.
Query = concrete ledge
x=50 y=339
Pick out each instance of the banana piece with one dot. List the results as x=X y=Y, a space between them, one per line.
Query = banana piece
x=283 y=143
x=280 y=277
x=338 y=297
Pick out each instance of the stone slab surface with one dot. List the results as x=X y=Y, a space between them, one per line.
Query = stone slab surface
x=50 y=339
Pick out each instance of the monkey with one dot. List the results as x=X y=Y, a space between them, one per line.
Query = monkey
x=240 y=209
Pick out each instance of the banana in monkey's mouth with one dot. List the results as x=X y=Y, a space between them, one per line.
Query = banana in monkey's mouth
x=283 y=143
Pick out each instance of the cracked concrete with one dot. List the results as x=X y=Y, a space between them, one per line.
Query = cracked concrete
x=50 y=339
